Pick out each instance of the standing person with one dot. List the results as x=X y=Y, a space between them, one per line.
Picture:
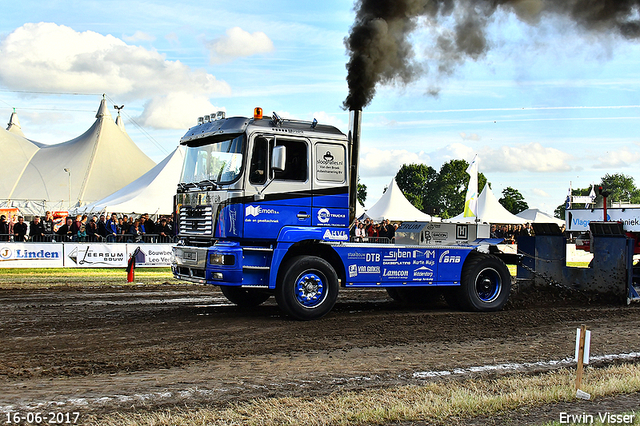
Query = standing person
x=101 y=228
x=112 y=228
x=20 y=230
x=4 y=228
x=65 y=230
x=76 y=225
x=164 y=231
x=36 y=230
x=391 y=231
x=136 y=233
x=91 y=230
x=47 y=223
x=149 y=227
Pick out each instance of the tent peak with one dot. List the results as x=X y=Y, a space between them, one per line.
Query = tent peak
x=14 y=124
x=103 y=111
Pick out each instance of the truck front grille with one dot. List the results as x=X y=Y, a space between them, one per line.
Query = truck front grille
x=196 y=220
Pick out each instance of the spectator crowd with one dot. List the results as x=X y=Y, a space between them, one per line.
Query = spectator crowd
x=81 y=228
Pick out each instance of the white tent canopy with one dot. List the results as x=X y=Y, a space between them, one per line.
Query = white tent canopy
x=489 y=211
x=76 y=172
x=394 y=206
x=538 y=216
x=150 y=193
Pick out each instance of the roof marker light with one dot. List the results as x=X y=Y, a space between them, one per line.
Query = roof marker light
x=207 y=118
x=257 y=113
x=200 y=120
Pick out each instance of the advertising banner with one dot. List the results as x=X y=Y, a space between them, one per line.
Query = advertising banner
x=33 y=255
x=151 y=255
x=578 y=220
x=95 y=255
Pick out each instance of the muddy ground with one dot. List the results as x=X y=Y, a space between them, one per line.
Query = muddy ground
x=101 y=349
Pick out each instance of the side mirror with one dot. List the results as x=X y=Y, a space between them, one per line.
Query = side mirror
x=278 y=158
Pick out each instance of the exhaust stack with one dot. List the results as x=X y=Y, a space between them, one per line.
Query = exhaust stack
x=355 y=119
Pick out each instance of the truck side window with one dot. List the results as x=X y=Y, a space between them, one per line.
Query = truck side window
x=258 y=169
x=296 y=164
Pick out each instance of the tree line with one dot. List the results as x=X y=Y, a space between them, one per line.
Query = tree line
x=442 y=193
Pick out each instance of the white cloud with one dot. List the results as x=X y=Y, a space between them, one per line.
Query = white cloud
x=470 y=137
x=532 y=157
x=329 y=119
x=138 y=36
x=238 y=43
x=51 y=57
x=616 y=159
x=540 y=193
x=377 y=162
x=180 y=109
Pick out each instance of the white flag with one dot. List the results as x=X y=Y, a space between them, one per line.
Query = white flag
x=471 y=200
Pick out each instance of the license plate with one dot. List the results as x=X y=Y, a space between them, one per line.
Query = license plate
x=190 y=255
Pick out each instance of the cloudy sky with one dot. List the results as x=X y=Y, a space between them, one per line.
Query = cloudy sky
x=546 y=105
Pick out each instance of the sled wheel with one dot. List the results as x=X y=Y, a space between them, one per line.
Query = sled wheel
x=485 y=283
x=309 y=288
x=245 y=297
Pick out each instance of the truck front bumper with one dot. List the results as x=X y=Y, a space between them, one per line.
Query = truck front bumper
x=220 y=264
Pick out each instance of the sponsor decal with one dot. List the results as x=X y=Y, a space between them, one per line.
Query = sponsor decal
x=446 y=258
x=423 y=272
x=462 y=232
x=440 y=235
x=397 y=257
x=353 y=271
x=26 y=254
x=424 y=254
x=356 y=255
x=334 y=235
x=396 y=274
x=86 y=256
x=324 y=215
x=258 y=210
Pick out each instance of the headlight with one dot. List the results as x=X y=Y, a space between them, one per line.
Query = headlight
x=222 y=259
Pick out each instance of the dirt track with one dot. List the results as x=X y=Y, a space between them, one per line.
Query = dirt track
x=106 y=348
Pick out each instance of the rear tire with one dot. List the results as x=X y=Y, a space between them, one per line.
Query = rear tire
x=485 y=283
x=245 y=297
x=308 y=289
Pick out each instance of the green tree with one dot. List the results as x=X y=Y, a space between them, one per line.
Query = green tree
x=361 y=193
x=621 y=187
x=416 y=182
x=441 y=193
x=512 y=200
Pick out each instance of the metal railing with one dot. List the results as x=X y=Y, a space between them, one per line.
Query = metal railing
x=119 y=238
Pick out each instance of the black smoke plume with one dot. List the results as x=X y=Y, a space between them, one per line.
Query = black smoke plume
x=380 y=51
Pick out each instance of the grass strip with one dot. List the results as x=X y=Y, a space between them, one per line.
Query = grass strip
x=18 y=278
x=435 y=403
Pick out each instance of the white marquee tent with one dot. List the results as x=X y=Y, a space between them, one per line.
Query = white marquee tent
x=73 y=173
x=151 y=193
x=394 y=206
x=538 y=216
x=489 y=211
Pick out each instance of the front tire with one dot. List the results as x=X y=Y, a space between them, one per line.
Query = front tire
x=308 y=289
x=485 y=283
x=245 y=297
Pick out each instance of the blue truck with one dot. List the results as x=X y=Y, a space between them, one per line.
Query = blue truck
x=264 y=206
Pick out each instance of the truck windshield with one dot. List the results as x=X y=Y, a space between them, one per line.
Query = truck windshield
x=219 y=162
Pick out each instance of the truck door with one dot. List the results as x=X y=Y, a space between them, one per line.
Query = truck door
x=280 y=198
x=330 y=186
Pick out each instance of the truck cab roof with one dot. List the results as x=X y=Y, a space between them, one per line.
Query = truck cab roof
x=238 y=125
